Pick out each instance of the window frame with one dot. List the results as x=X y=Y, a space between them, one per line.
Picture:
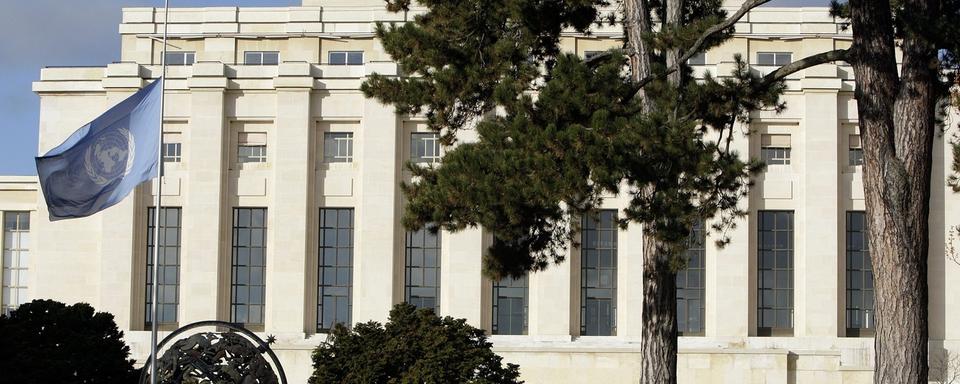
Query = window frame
x=592 y=239
x=338 y=139
x=854 y=151
x=695 y=270
x=340 y=250
x=255 y=158
x=777 y=58
x=419 y=242
x=176 y=156
x=166 y=228
x=776 y=155
x=247 y=270
x=778 y=267
x=192 y=55
x=857 y=246
x=347 y=55
x=262 y=56
x=416 y=138
x=12 y=260
x=507 y=290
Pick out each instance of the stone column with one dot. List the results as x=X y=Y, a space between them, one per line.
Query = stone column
x=119 y=223
x=205 y=214
x=461 y=280
x=629 y=279
x=818 y=233
x=377 y=236
x=552 y=305
x=730 y=286
x=290 y=205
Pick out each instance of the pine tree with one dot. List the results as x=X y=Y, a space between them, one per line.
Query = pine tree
x=556 y=133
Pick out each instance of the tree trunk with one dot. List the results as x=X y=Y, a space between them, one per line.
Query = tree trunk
x=658 y=347
x=658 y=344
x=897 y=128
x=636 y=23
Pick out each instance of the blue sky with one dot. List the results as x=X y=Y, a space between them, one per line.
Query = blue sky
x=39 y=33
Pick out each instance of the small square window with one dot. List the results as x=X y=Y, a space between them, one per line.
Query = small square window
x=425 y=147
x=345 y=57
x=338 y=147
x=775 y=149
x=179 y=58
x=856 y=156
x=775 y=155
x=252 y=147
x=698 y=59
x=171 y=152
x=774 y=58
x=252 y=153
x=261 y=58
x=855 y=153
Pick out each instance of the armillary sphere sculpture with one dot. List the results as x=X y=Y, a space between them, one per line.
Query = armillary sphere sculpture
x=233 y=357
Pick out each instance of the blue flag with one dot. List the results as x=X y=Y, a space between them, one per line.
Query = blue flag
x=100 y=163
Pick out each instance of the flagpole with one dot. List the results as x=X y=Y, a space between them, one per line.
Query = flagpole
x=157 y=213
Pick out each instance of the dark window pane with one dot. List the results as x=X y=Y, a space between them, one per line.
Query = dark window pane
x=338 y=58
x=168 y=278
x=424 y=147
x=422 y=277
x=690 y=285
x=775 y=275
x=336 y=266
x=859 y=276
x=248 y=270
x=765 y=58
x=271 y=58
x=510 y=306
x=599 y=274
x=355 y=58
x=698 y=59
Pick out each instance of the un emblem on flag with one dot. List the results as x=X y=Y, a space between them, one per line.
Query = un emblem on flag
x=110 y=156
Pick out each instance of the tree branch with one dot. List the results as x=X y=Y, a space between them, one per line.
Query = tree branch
x=695 y=48
x=804 y=63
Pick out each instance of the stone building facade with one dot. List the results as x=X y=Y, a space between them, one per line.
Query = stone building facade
x=282 y=189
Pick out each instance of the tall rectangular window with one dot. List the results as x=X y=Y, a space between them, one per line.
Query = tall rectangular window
x=510 y=306
x=423 y=269
x=860 y=313
x=16 y=257
x=180 y=58
x=774 y=58
x=252 y=147
x=261 y=58
x=338 y=147
x=775 y=149
x=248 y=267
x=335 y=278
x=168 y=273
x=775 y=273
x=425 y=147
x=598 y=275
x=690 y=285
x=345 y=57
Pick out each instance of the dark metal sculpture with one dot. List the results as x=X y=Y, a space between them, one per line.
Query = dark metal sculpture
x=233 y=357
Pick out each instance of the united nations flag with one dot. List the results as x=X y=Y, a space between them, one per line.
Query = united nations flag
x=100 y=163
